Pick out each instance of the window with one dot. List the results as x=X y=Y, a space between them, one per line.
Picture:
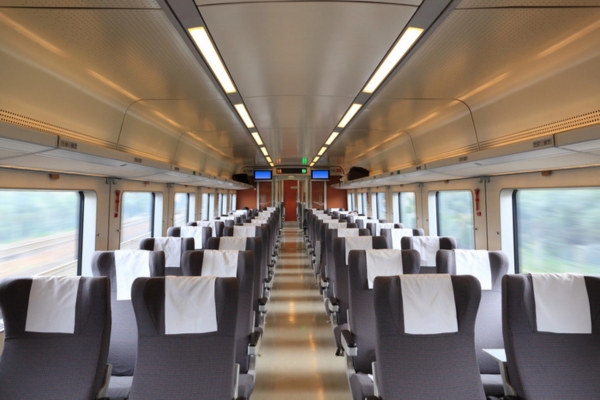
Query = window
x=380 y=208
x=182 y=209
x=222 y=204
x=208 y=206
x=137 y=218
x=232 y=202
x=406 y=209
x=362 y=203
x=455 y=216
x=40 y=232
x=557 y=230
x=351 y=202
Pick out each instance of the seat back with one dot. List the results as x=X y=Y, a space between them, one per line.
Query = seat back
x=39 y=359
x=199 y=233
x=123 y=337
x=183 y=365
x=545 y=362
x=394 y=236
x=428 y=246
x=340 y=253
x=360 y=312
x=488 y=327
x=375 y=226
x=173 y=252
x=241 y=266
x=427 y=352
x=327 y=236
x=215 y=225
x=327 y=271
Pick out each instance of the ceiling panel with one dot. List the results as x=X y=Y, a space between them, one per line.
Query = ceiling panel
x=297 y=72
x=526 y=3
x=218 y=2
x=81 y=3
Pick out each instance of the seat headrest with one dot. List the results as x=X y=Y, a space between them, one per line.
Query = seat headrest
x=384 y=262
x=398 y=234
x=357 y=243
x=220 y=263
x=337 y=225
x=193 y=232
x=190 y=305
x=476 y=263
x=232 y=243
x=382 y=225
x=171 y=246
x=427 y=246
x=130 y=265
x=52 y=303
x=562 y=304
x=244 y=231
x=345 y=232
x=428 y=304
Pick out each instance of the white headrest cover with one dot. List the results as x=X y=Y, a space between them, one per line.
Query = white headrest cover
x=230 y=218
x=318 y=211
x=336 y=225
x=561 y=303
x=130 y=265
x=190 y=305
x=428 y=304
x=398 y=234
x=265 y=214
x=476 y=263
x=427 y=246
x=324 y=217
x=345 y=232
x=210 y=224
x=271 y=208
x=172 y=248
x=382 y=225
x=220 y=263
x=232 y=243
x=334 y=209
x=52 y=302
x=193 y=232
x=357 y=243
x=385 y=262
x=244 y=231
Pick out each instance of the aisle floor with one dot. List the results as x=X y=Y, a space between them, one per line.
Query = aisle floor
x=298 y=350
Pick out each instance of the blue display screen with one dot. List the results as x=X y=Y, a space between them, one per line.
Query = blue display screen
x=319 y=174
x=263 y=175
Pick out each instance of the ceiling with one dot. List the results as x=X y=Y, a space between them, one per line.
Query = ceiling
x=126 y=76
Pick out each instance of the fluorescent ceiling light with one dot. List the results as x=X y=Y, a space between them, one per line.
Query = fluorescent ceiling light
x=269 y=160
x=316 y=159
x=311 y=164
x=264 y=151
x=271 y=164
x=241 y=109
x=257 y=138
x=408 y=38
x=331 y=138
x=323 y=150
x=349 y=115
x=211 y=56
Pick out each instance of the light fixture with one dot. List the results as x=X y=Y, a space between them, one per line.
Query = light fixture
x=269 y=160
x=271 y=164
x=264 y=151
x=257 y=138
x=323 y=150
x=311 y=164
x=241 y=109
x=331 y=138
x=316 y=159
x=349 y=115
x=408 y=38
x=211 y=56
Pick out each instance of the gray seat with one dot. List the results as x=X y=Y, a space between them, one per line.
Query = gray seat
x=428 y=261
x=54 y=364
x=389 y=235
x=247 y=340
x=185 y=365
x=359 y=340
x=488 y=327
x=434 y=363
x=376 y=226
x=260 y=232
x=175 y=231
x=216 y=226
x=123 y=338
x=186 y=244
x=327 y=270
x=543 y=363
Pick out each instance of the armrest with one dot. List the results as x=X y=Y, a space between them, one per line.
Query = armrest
x=102 y=393
x=324 y=282
x=268 y=283
x=349 y=344
x=254 y=341
x=373 y=398
x=333 y=304
x=262 y=304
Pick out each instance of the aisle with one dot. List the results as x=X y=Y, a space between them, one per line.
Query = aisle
x=298 y=351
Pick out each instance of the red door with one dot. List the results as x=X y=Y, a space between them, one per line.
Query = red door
x=290 y=194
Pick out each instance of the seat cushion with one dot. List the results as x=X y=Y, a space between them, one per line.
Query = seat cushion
x=361 y=386
x=118 y=388
x=492 y=384
x=245 y=385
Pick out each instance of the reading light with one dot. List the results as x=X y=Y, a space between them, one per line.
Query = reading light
x=264 y=151
x=323 y=150
x=241 y=109
x=331 y=138
x=209 y=53
x=408 y=38
x=257 y=138
x=269 y=160
x=349 y=115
